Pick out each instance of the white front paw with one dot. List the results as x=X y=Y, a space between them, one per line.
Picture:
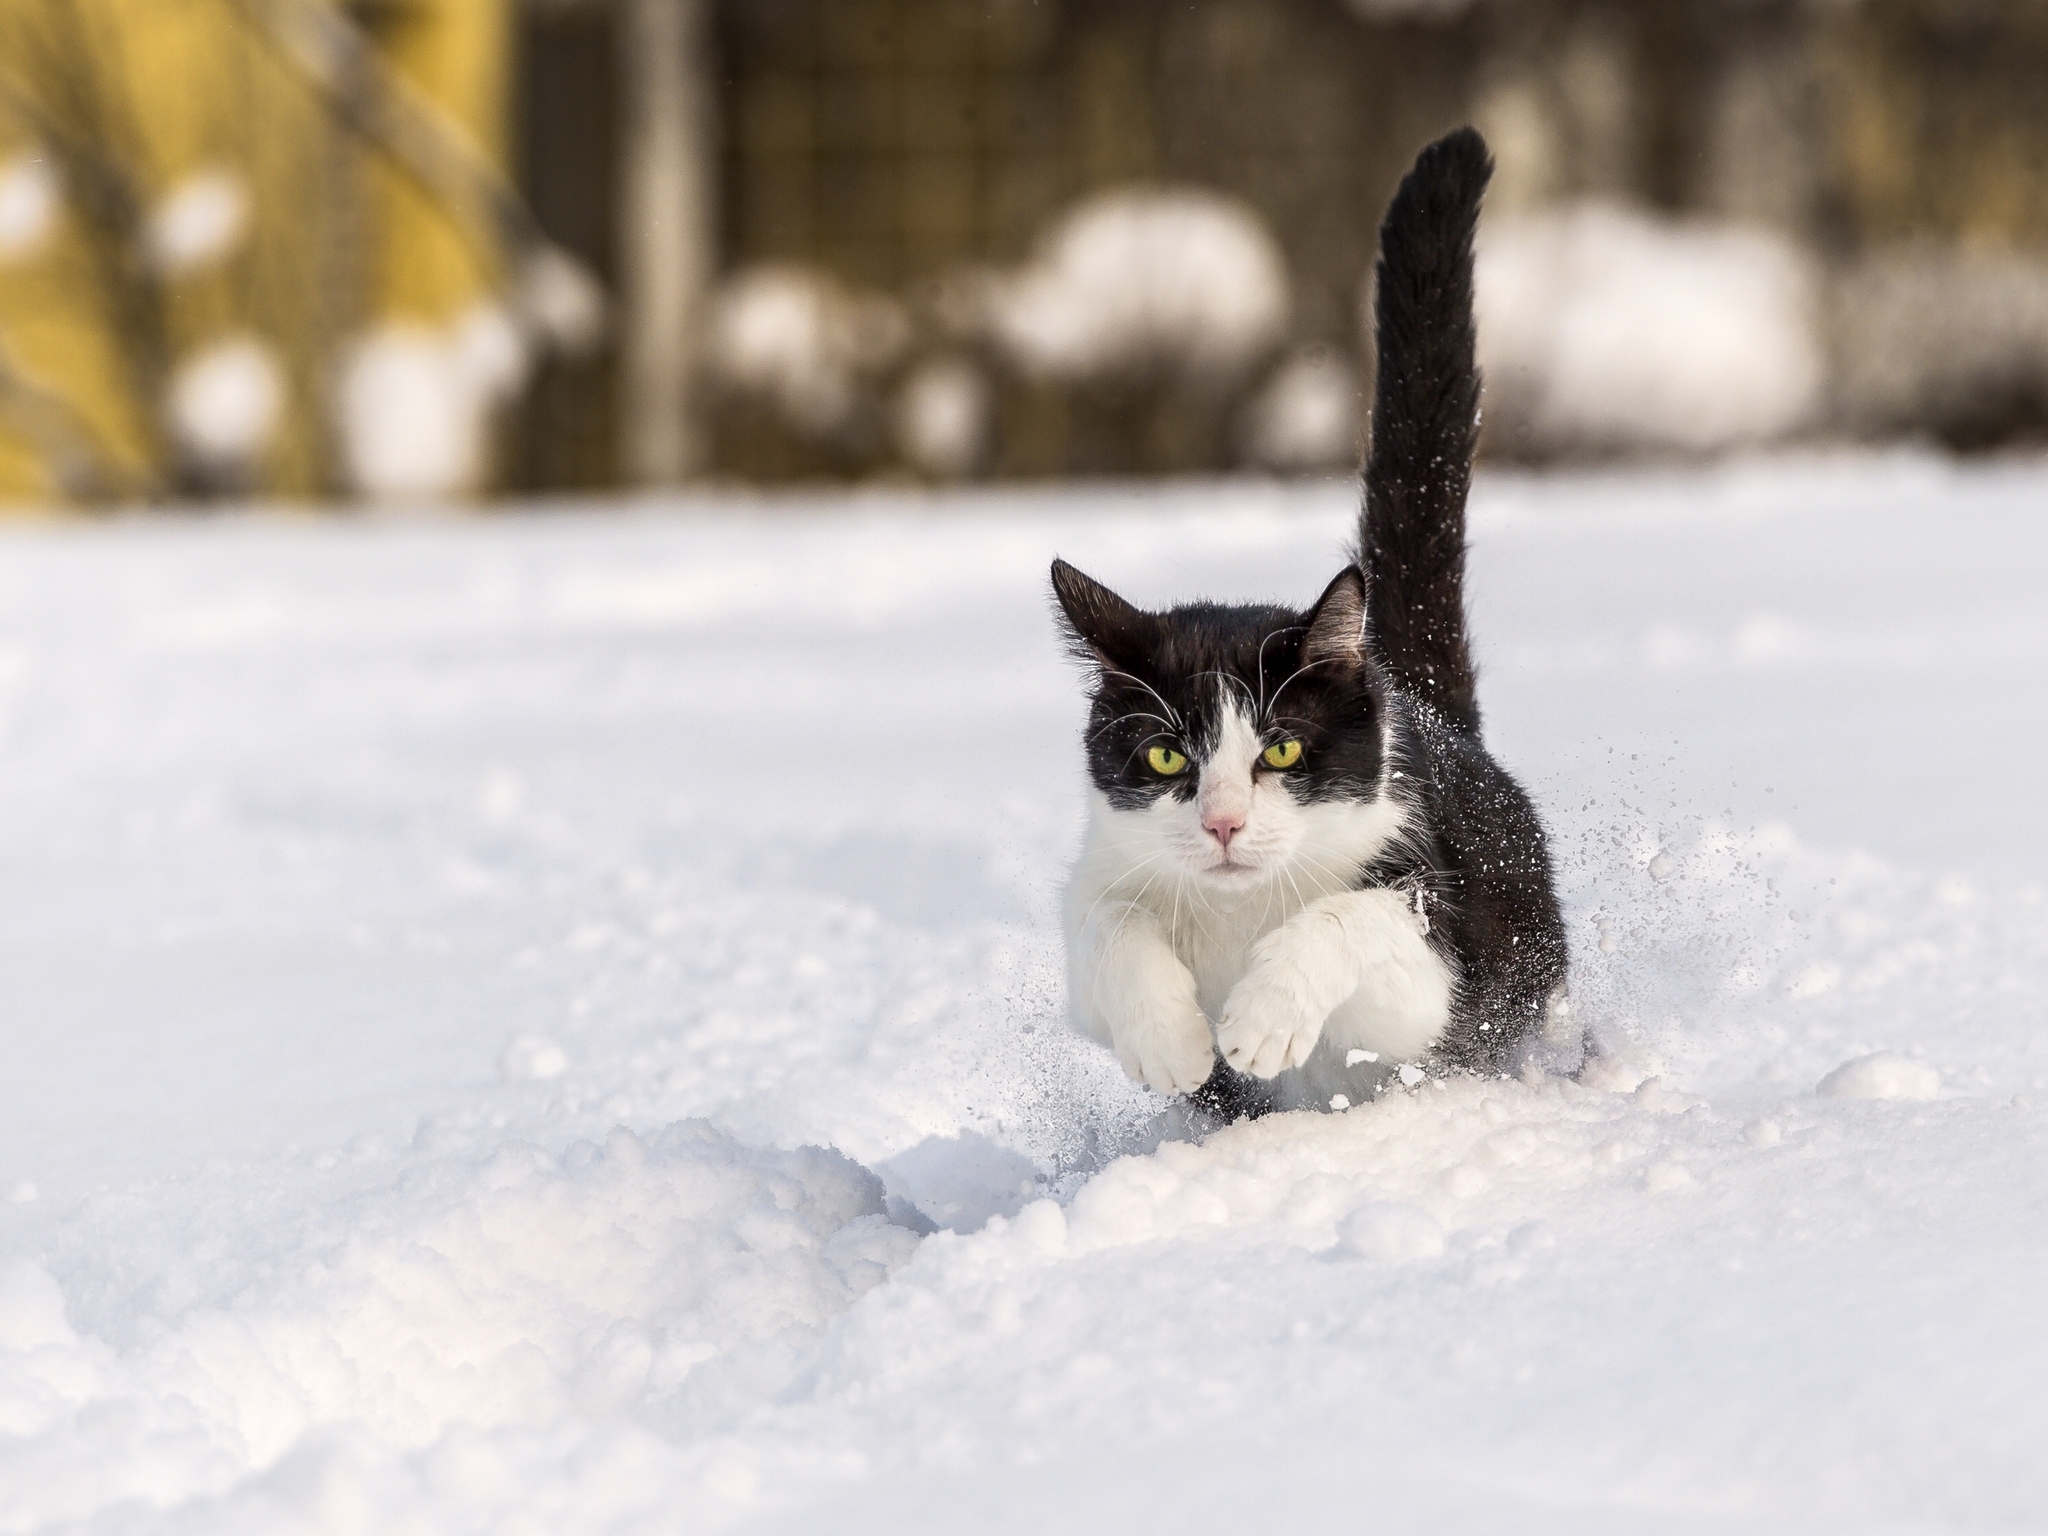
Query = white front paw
x=1165 y=1045
x=1267 y=1027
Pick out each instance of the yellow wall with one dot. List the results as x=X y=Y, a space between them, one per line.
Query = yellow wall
x=339 y=239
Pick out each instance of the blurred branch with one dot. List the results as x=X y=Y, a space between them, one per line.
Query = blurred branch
x=553 y=293
x=69 y=448
x=74 y=118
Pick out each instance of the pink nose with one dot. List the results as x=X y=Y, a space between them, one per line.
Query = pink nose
x=1223 y=826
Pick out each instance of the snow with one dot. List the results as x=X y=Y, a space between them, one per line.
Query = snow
x=943 y=416
x=415 y=403
x=1307 y=416
x=554 y=1023
x=1603 y=327
x=802 y=341
x=1881 y=1075
x=559 y=300
x=199 y=222
x=226 y=401
x=1176 y=280
x=29 y=198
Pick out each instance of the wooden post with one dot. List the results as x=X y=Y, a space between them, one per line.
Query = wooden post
x=668 y=240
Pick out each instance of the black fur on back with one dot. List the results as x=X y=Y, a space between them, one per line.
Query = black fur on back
x=1425 y=425
x=1474 y=856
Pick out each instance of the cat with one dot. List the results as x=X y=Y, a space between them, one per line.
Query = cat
x=1294 y=830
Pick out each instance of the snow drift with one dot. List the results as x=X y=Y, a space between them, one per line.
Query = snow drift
x=429 y=999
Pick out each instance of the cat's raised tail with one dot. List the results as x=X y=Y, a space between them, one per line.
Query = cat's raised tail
x=1425 y=424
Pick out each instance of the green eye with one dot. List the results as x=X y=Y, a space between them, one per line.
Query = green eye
x=1165 y=760
x=1283 y=754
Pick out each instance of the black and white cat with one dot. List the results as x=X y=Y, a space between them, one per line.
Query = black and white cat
x=1294 y=830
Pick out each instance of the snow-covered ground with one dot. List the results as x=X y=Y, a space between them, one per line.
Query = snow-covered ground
x=435 y=952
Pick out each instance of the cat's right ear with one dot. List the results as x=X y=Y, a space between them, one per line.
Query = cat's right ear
x=1101 y=627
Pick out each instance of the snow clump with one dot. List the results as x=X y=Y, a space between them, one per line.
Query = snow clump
x=416 y=403
x=1143 y=280
x=559 y=301
x=1308 y=416
x=803 y=342
x=1603 y=328
x=28 y=205
x=226 y=402
x=198 y=223
x=943 y=416
x=1883 y=1075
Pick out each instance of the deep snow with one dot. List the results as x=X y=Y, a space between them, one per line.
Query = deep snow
x=430 y=944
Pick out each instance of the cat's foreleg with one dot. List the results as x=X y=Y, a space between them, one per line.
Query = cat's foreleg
x=1132 y=991
x=1363 y=951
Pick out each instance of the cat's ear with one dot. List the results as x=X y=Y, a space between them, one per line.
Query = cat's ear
x=1336 y=625
x=1102 y=626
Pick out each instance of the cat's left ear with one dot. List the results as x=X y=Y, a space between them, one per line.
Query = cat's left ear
x=1102 y=626
x=1336 y=625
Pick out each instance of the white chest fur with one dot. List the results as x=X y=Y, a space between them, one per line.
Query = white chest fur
x=1165 y=965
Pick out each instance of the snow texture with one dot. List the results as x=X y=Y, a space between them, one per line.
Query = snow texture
x=1143 y=281
x=1603 y=329
x=29 y=197
x=470 y=1069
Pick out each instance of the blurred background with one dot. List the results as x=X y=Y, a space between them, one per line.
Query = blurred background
x=401 y=249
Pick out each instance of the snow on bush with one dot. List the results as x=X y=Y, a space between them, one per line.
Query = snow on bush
x=559 y=301
x=803 y=342
x=1603 y=328
x=681 y=1271
x=198 y=223
x=944 y=413
x=1309 y=415
x=1141 y=281
x=1931 y=338
x=226 y=402
x=28 y=205
x=415 y=404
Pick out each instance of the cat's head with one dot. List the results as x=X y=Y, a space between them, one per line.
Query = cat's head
x=1233 y=742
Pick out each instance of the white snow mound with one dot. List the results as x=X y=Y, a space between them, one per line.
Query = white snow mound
x=1883 y=1075
x=680 y=1271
